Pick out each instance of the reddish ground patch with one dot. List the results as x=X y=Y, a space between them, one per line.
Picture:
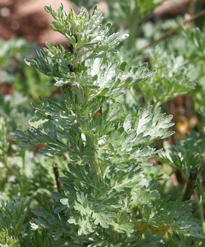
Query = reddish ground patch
x=29 y=19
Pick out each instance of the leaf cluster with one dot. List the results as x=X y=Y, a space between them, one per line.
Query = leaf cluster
x=186 y=154
x=12 y=217
x=171 y=79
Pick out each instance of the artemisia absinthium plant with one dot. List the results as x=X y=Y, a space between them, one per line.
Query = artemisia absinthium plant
x=106 y=196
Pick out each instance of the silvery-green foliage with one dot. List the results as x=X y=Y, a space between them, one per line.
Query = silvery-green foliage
x=174 y=214
x=183 y=241
x=197 y=37
x=15 y=110
x=170 y=81
x=186 y=154
x=32 y=177
x=151 y=240
x=86 y=39
x=105 y=190
x=14 y=48
x=12 y=216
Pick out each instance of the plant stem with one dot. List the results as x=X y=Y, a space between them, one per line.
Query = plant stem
x=173 y=30
x=5 y=162
x=24 y=160
x=56 y=174
x=200 y=205
x=113 y=234
x=191 y=6
x=93 y=158
x=190 y=184
x=133 y=22
x=156 y=105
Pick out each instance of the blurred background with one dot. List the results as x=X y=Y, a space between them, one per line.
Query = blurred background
x=27 y=18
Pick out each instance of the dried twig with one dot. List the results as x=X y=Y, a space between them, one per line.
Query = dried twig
x=191 y=6
x=173 y=30
x=56 y=173
x=190 y=184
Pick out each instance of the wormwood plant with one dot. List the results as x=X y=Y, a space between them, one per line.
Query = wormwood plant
x=108 y=196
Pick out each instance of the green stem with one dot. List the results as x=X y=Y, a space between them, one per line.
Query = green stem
x=133 y=21
x=156 y=106
x=134 y=95
x=5 y=162
x=93 y=158
x=113 y=235
x=200 y=205
x=23 y=160
x=51 y=245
